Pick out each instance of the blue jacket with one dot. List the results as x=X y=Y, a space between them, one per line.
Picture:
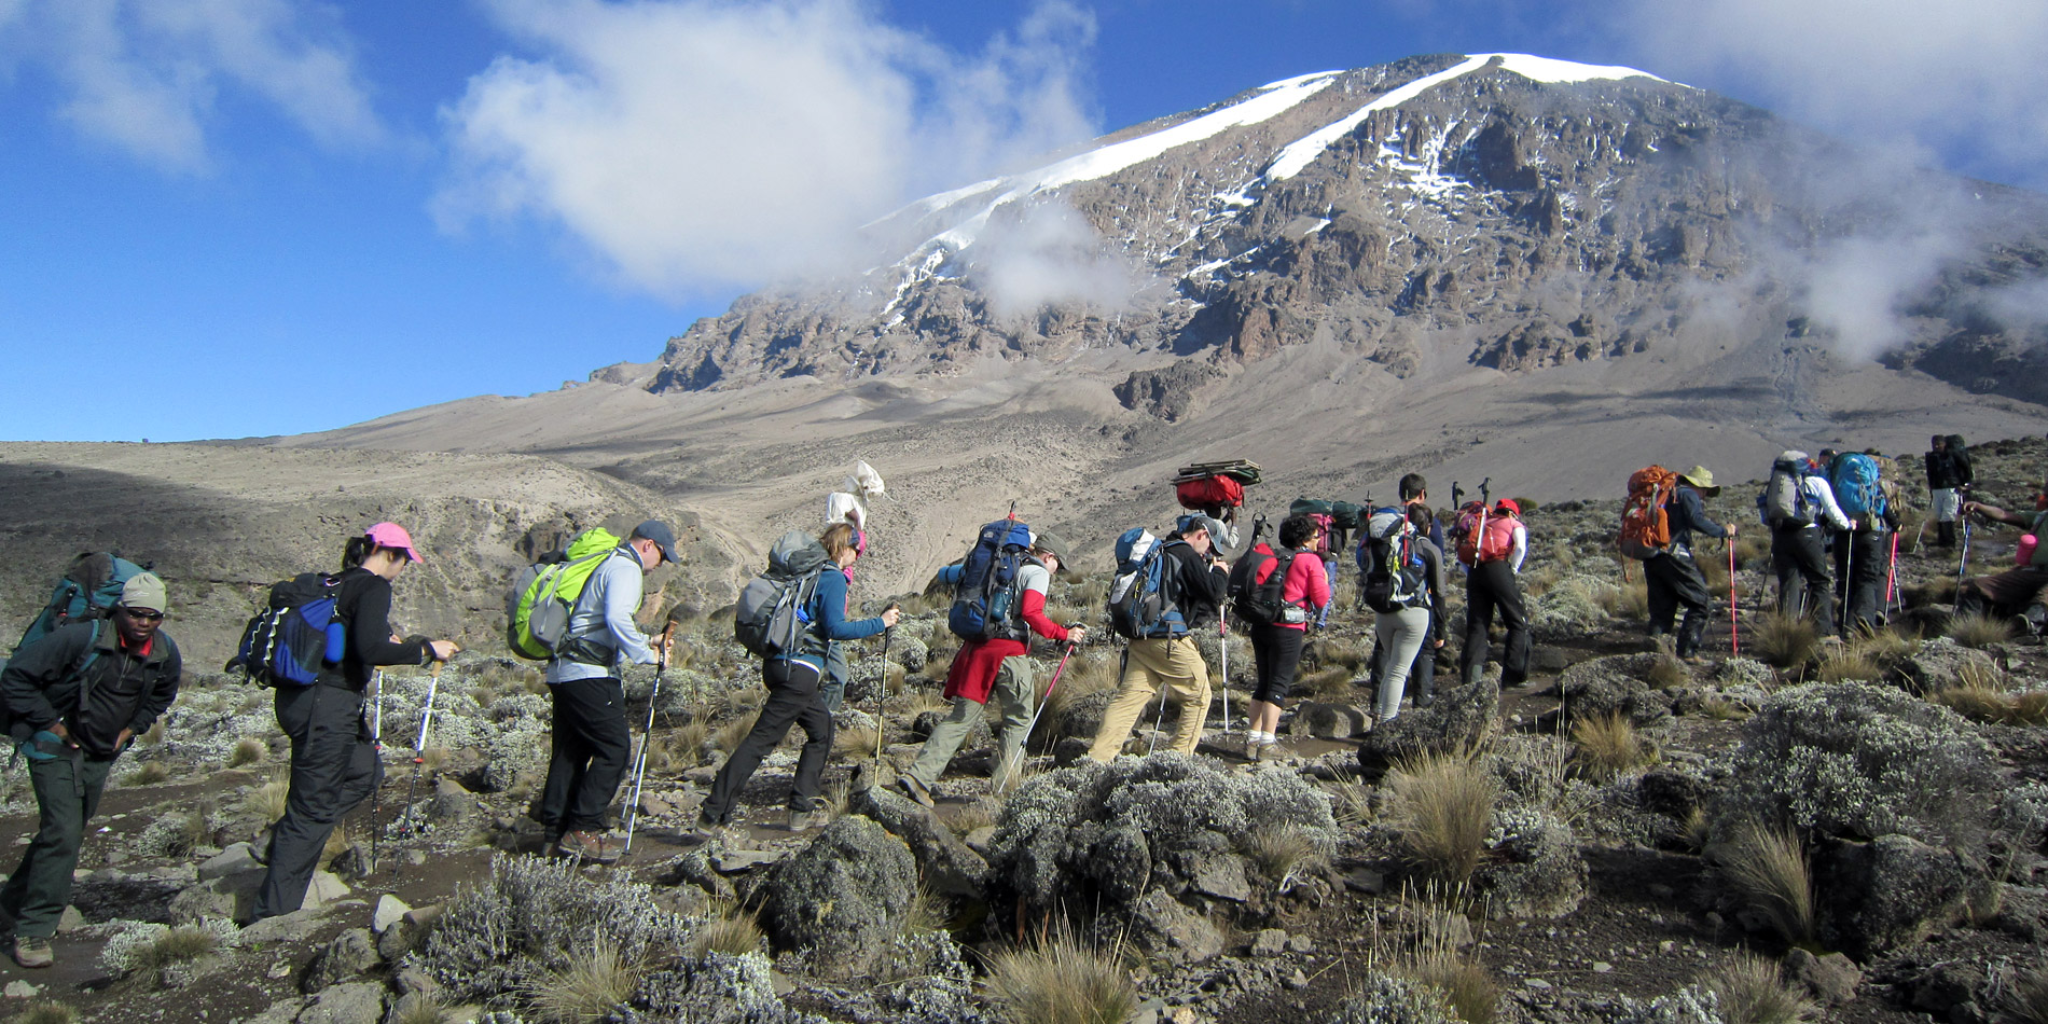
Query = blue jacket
x=825 y=613
x=1687 y=513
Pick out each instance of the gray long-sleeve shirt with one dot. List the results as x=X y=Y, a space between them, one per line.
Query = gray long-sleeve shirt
x=604 y=616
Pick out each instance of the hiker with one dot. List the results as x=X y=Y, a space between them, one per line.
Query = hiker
x=1491 y=586
x=792 y=679
x=1415 y=501
x=1949 y=473
x=591 y=744
x=335 y=766
x=1197 y=586
x=998 y=667
x=1407 y=637
x=2014 y=593
x=1276 y=646
x=837 y=670
x=1862 y=553
x=75 y=699
x=1673 y=576
x=1797 y=501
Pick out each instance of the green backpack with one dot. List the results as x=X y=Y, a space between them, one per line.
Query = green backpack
x=544 y=595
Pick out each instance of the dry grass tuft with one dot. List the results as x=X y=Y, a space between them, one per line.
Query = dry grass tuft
x=979 y=814
x=1609 y=746
x=148 y=774
x=51 y=1012
x=418 y=1008
x=1978 y=631
x=855 y=743
x=1750 y=990
x=727 y=735
x=1885 y=646
x=1442 y=806
x=1060 y=980
x=178 y=946
x=1696 y=830
x=1332 y=683
x=1351 y=803
x=1767 y=866
x=1669 y=673
x=1463 y=982
x=1287 y=853
x=596 y=979
x=1784 y=641
x=2027 y=999
x=1723 y=711
x=268 y=800
x=1849 y=664
x=248 y=750
x=1980 y=694
x=731 y=929
x=1628 y=600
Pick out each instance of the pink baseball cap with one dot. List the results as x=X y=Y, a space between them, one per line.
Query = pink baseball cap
x=392 y=535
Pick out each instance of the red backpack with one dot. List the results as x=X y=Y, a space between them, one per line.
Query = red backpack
x=1645 y=526
x=1484 y=536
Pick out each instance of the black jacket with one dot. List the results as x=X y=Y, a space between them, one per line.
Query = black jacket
x=42 y=685
x=1688 y=515
x=1948 y=468
x=363 y=605
x=1199 y=588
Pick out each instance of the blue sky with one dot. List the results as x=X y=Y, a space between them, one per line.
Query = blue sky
x=226 y=218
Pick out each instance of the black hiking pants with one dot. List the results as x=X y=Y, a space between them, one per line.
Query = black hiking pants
x=334 y=769
x=1675 y=581
x=1491 y=587
x=1276 y=659
x=1862 y=564
x=792 y=700
x=1802 y=570
x=592 y=745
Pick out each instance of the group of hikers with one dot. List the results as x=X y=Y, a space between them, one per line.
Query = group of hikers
x=96 y=670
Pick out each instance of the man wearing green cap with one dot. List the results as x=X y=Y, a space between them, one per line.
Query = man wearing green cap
x=74 y=700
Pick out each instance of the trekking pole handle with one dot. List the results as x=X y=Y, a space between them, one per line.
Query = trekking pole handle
x=661 y=653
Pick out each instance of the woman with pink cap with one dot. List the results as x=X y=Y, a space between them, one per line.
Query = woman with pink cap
x=334 y=755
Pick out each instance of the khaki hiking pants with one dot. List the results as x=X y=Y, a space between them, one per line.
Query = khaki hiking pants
x=1009 y=703
x=1175 y=664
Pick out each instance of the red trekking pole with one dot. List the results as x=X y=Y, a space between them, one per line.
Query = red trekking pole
x=1042 y=698
x=1734 y=636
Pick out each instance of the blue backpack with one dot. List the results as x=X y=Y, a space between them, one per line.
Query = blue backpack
x=89 y=590
x=984 y=600
x=1858 y=487
x=1142 y=598
x=290 y=640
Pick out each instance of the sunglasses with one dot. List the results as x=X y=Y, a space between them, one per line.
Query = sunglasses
x=141 y=615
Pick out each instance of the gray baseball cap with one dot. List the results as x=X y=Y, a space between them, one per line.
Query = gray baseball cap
x=1197 y=521
x=663 y=538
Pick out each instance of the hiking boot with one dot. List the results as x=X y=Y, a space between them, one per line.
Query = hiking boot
x=916 y=790
x=30 y=951
x=586 y=847
x=710 y=829
x=804 y=821
x=1252 y=749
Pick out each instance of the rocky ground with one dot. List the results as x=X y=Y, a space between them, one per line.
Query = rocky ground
x=1590 y=846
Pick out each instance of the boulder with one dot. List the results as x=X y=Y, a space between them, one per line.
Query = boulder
x=359 y=1002
x=1271 y=942
x=406 y=933
x=453 y=805
x=843 y=897
x=945 y=863
x=1830 y=979
x=1220 y=875
x=1616 y=684
x=1890 y=892
x=1172 y=930
x=237 y=858
x=1461 y=718
x=389 y=911
x=351 y=953
x=1328 y=721
x=1939 y=663
x=293 y=927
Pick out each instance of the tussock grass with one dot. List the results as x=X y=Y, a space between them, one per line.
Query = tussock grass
x=1980 y=694
x=1750 y=990
x=1978 y=631
x=1061 y=980
x=1696 y=829
x=1849 y=664
x=1884 y=646
x=418 y=1008
x=685 y=746
x=1784 y=641
x=1463 y=982
x=1939 y=590
x=1287 y=853
x=1628 y=600
x=1332 y=683
x=596 y=979
x=855 y=743
x=728 y=734
x=1351 y=657
x=1723 y=711
x=731 y=929
x=148 y=774
x=838 y=796
x=1608 y=746
x=1751 y=549
x=923 y=700
x=178 y=946
x=1351 y=804
x=1442 y=805
x=268 y=800
x=1668 y=672
x=50 y=1012
x=1714 y=567
x=926 y=913
x=1767 y=866
x=248 y=750
x=2027 y=998
x=979 y=814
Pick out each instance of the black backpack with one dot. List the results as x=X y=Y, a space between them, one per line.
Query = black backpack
x=1393 y=571
x=295 y=635
x=1258 y=600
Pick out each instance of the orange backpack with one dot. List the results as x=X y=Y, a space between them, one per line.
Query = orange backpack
x=1645 y=527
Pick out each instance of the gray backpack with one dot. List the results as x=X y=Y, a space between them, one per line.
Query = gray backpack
x=1784 y=497
x=769 y=619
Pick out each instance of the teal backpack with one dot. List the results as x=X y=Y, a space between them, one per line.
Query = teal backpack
x=88 y=590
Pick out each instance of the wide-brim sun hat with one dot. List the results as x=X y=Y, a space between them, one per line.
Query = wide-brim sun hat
x=1701 y=478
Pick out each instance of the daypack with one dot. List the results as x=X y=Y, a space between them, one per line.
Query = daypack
x=296 y=633
x=89 y=589
x=984 y=603
x=1859 y=486
x=1482 y=535
x=1257 y=582
x=1209 y=492
x=1645 y=525
x=543 y=596
x=770 y=618
x=1393 y=569
x=1784 y=496
x=1142 y=597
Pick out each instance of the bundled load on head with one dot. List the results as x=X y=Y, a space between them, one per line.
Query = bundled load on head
x=1216 y=489
x=849 y=504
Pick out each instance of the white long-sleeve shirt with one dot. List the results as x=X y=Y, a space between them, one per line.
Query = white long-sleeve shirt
x=1519 y=547
x=1819 y=495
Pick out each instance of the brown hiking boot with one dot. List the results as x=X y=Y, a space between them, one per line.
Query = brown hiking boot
x=915 y=789
x=586 y=847
x=30 y=951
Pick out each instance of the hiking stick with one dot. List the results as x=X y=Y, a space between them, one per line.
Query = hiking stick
x=419 y=745
x=646 y=735
x=1032 y=726
x=1734 y=632
x=1963 y=570
x=1223 y=644
x=1158 y=720
x=882 y=686
x=1891 y=583
x=1848 y=582
x=377 y=747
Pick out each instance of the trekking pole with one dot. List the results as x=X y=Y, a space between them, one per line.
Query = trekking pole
x=419 y=746
x=1847 y=583
x=377 y=748
x=1734 y=633
x=1223 y=644
x=1963 y=570
x=646 y=735
x=1032 y=726
x=1158 y=721
x=882 y=682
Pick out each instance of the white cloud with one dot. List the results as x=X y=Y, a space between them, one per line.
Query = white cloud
x=144 y=75
x=698 y=143
x=1047 y=253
